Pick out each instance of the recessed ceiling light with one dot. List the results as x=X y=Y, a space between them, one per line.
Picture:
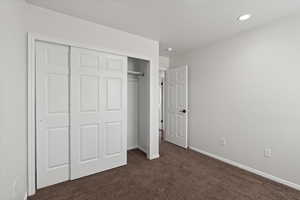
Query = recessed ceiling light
x=244 y=17
x=170 y=49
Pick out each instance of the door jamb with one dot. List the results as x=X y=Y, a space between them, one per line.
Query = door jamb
x=31 y=115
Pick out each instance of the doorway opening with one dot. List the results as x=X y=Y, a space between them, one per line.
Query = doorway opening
x=138 y=105
x=176 y=106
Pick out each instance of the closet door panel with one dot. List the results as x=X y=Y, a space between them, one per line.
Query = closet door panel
x=89 y=142
x=52 y=113
x=113 y=139
x=113 y=94
x=114 y=64
x=89 y=93
x=115 y=111
x=58 y=143
x=85 y=113
x=58 y=91
x=97 y=114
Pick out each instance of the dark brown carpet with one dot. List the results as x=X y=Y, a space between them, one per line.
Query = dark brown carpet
x=177 y=175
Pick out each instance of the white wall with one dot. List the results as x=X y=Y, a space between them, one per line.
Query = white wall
x=132 y=112
x=17 y=18
x=12 y=100
x=143 y=107
x=247 y=90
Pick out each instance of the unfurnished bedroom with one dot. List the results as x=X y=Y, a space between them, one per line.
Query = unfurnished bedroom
x=149 y=100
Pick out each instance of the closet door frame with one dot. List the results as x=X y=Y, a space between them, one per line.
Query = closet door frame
x=31 y=92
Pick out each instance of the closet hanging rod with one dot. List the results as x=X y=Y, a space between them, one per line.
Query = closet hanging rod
x=135 y=73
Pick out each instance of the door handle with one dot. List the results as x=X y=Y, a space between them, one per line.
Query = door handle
x=183 y=111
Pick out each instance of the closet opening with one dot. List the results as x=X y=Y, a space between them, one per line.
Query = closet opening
x=138 y=105
x=82 y=102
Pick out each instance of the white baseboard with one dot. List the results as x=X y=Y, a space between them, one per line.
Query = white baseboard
x=137 y=147
x=154 y=157
x=142 y=149
x=132 y=148
x=252 y=170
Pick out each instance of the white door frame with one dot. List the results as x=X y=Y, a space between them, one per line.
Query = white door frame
x=162 y=106
x=31 y=132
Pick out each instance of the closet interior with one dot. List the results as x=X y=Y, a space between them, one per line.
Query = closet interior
x=138 y=108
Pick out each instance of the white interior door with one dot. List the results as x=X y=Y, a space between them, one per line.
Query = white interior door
x=52 y=113
x=98 y=112
x=176 y=93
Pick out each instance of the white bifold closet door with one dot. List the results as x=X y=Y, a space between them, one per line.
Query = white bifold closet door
x=98 y=112
x=52 y=113
x=81 y=108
